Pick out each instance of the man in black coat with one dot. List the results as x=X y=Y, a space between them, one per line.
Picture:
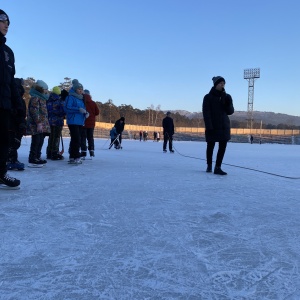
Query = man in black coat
x=217 y=105
x=119 y=125
x=168 y=131
x=10 y=102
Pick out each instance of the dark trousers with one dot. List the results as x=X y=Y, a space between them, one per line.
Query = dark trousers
x=168 y=138
x=5 y=120
x=37 y=142
x=220 y=154
x=53 y=141
x=14 y=144
x=75 y=132
x=87 y=134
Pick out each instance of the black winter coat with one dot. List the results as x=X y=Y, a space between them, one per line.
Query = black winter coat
x=216 y=107
x=168 y=126
x=119 y=126
x=9 y=95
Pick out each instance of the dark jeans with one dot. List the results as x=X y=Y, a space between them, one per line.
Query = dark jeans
x=37 y=142
x=168 y=138
x=75 y=132
x=5 y=119
x=53 y=141
x=87 y=134
x=14 y=144
x=220 y=154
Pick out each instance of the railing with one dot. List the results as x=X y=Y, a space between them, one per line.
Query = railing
x=285 y=136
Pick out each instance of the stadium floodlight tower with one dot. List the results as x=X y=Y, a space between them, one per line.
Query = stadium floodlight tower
x=250 y=75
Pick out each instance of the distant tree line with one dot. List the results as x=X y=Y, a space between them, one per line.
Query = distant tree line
x=152 y=116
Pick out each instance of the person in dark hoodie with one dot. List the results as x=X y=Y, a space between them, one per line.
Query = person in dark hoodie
x=119 y=125
x=87 y=133
x=216 y=107
x=10 y=102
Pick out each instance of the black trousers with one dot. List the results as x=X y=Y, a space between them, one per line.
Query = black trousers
x=53 y=140
x=37 y=142
x=220 y=155
x=75 y=143
x=168 y=138
x=5 y=120
x=14 y=144
x=87 y=134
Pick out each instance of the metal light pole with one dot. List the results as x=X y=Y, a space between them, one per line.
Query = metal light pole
x=250 y=75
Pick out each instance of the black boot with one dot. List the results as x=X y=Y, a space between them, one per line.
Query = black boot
x=219 y=171
x=209 y=168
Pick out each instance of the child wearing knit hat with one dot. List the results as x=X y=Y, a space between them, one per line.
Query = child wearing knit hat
x=56 y=115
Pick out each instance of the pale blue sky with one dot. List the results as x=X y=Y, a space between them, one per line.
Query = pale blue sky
x=161 y=52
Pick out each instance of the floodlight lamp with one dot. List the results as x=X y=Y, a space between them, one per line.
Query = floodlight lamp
x=252 y=73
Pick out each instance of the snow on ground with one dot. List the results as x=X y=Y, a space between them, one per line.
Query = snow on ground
x=141 y=224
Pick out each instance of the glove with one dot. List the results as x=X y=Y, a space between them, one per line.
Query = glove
x=227 y=101
x=87 y=115
x=39 y=127
x=82 y=110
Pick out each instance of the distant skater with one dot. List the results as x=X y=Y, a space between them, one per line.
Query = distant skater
x=251 y=139
x=168 y=132
x=216 y=107
x=119 y=125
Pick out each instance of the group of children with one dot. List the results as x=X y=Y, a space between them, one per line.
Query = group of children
x=45 y=117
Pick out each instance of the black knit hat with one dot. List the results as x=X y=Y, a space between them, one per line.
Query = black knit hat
x=4 y=16
x=122 y=119
x=217 y=79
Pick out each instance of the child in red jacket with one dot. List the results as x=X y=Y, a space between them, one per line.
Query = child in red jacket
x=87 y=133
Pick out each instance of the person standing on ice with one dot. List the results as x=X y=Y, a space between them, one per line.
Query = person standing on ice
x=168 y=131
x=216 y=107
x=9 y=100
x=37 y=121
x=76 y=114
x=119 y=125
x=87 y=133
x=56 y=115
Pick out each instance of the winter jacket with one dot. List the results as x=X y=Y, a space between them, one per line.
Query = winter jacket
x=216 y=107
x=168 y=126
x=37 y=113
x=73 y=102
x=113 y=133
x=9 y=96
x=92 y=109
x=119 y=126
x=55 y=107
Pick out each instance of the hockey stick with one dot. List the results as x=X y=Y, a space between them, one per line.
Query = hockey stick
x=62 y=145
x=113 y=141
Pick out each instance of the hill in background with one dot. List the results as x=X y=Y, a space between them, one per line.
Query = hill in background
x=258 y=116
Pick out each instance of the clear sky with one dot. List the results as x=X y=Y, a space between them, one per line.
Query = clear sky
x=161 y=52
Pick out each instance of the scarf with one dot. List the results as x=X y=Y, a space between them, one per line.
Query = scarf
x=34 y=93
x=74 y=94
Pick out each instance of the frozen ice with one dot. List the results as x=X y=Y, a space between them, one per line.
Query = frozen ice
x=138 y=223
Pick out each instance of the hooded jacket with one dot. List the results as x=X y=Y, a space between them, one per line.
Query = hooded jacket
x=37 y=113
x=92 y=109
x=55 y=107
x=73 y=102
x=216 y=107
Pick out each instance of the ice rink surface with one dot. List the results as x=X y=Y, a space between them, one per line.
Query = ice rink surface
x=138 y=223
